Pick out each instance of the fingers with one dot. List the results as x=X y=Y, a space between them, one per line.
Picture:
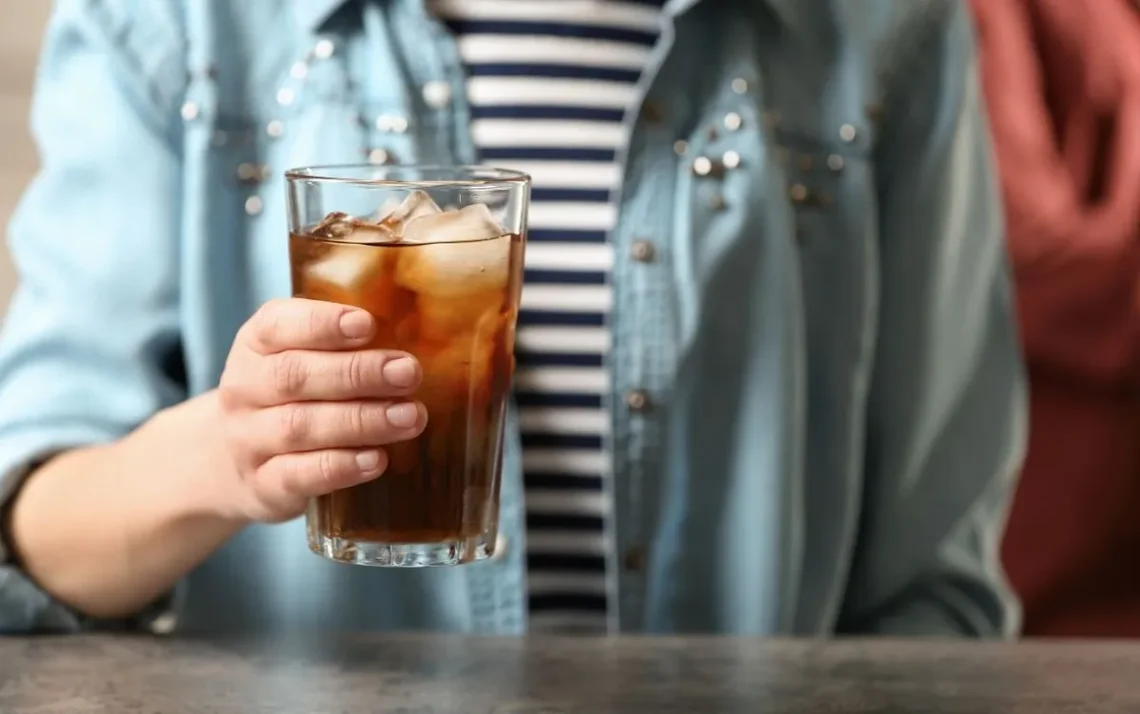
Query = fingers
x=307 y=376
x=299 y=324
x=316 y=473
x=313 y=426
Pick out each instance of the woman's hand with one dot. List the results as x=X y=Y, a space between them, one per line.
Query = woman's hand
x=305 y=410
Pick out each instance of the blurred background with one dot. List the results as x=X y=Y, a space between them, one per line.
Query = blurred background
x=1062 y=84
x=20 y=35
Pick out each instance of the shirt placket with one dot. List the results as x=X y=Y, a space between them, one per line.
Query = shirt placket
x=642 y=354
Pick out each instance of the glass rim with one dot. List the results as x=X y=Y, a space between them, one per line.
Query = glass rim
x=461 y=175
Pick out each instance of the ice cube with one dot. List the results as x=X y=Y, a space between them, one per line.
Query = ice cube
x=342 y=271
x=417 y=205
x=346 y=229
x=470 y=223
x=455 y=269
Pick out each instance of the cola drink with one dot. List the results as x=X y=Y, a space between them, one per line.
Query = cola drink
x=443 y=286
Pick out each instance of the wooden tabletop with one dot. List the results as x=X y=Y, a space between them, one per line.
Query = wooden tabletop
x=432 y=675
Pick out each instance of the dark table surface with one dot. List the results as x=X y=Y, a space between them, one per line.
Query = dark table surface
x=429 y=675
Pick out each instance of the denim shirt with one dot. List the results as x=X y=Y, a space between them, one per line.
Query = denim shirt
x=817 y=394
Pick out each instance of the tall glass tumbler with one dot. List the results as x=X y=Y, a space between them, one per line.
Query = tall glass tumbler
x=435 y=254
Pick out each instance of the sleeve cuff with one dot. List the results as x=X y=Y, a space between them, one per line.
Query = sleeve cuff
x=22 y=450
x=24 y=606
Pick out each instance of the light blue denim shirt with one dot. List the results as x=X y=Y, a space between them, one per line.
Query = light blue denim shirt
x=824 y=336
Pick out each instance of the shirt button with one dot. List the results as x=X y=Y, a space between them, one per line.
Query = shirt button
x=642 y=251
x=634 y=559
x=189 y=111
x=380 y=157
x=324 y=49
x=253 y=205
x=250 y=173
x=637 y=400
x=437 y=94
x=704 y=166
x=390 y=124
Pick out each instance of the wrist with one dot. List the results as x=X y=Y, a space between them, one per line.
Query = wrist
x=206 y=479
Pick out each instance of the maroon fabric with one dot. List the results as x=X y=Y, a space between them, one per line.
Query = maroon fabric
x=1062 y=80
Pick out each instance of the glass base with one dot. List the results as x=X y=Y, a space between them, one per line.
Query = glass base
x=401 y=555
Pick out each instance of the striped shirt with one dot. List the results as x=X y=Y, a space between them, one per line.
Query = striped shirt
x=549 y=82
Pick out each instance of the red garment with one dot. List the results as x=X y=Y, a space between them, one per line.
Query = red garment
x=1062 y=80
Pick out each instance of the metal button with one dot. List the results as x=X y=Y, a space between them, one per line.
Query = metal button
x=390 y=124
x=835 y=162
x=652 y=112
x=798 y=193
x=680 y=147
x=251 y=173
x=634 y=558
x=437 y=94
x=253 y=205
x=164 y=624
x=637 y=400
x=275 y=128
x=848 y=133
x=731 y=159
x=740 y=85
x=642 y=251
x=704 y=166
x=380 y=156
x=324 y=49
x=284 y=96
x=189 y=111
x=733 y=121
x=299 y=70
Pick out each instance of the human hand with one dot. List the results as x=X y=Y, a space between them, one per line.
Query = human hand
x=305 y=409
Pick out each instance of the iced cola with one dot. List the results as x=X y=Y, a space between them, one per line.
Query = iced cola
x=443 y=285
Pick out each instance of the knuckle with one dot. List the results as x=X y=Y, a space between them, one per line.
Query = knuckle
x=266 y=326
x=273 y=478
x=294 y=424
x=328 y=467
x=316 y=320
x=356 y=371
x=359 y=418
x=228 y=396
x=290 y=375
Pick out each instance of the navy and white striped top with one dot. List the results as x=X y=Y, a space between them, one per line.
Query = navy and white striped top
x=549 y=82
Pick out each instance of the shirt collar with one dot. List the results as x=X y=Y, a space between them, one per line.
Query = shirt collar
x=312 y=14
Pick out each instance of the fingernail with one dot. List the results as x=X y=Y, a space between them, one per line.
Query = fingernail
x=368 y=461
x=402 y=372
x=356 y=324
x=403 y=415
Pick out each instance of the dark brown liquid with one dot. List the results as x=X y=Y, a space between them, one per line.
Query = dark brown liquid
x=443 y=485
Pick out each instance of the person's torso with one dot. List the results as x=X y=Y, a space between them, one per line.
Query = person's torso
x=742 y=292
